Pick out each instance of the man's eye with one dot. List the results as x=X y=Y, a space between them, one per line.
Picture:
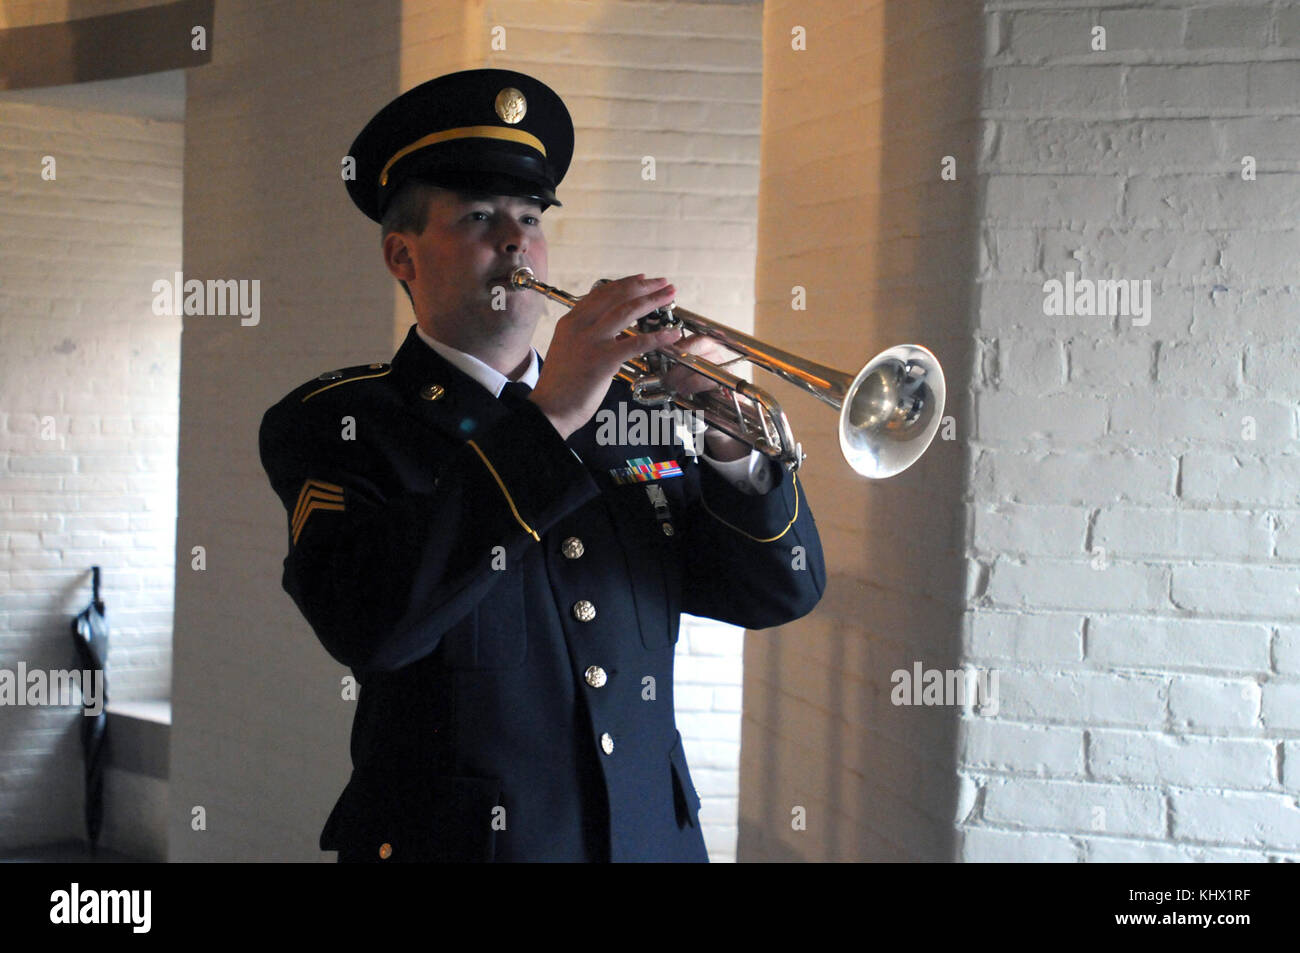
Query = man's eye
x=478 y=216
x=532 y=220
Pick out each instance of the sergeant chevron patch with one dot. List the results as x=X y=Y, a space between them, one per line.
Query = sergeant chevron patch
x=315 y=495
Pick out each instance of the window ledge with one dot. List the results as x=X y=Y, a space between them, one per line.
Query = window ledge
x=139 y=736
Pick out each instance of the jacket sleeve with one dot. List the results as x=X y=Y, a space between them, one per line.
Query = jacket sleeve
x=751 y=560
x=381 y=578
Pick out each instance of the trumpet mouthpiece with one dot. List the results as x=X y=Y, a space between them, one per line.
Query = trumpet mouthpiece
x=521 y=276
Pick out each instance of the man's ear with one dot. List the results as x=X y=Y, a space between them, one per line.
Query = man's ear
x=397 y=256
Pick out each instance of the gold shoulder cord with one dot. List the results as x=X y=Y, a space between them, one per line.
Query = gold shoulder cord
x=771 y=539
x=346 y=380
x=504 y=492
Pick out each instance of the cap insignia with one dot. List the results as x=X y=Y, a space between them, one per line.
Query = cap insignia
x=511 y=105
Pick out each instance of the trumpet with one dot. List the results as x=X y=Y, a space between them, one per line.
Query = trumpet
x=890 y=410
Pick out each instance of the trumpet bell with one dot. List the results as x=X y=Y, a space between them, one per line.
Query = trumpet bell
x=892 y=411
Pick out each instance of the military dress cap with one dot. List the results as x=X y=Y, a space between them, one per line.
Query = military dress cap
x=484 y=130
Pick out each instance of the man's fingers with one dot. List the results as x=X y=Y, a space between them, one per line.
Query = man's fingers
x=627 y=287
x=702 y=345
x=625 y=313
x=635 y=344
x=612 y=307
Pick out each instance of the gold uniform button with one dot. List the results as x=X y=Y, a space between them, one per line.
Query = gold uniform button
x=584 y=611
x=572 y=548
x=668 y=529
x=596 y=676
x=432 y=392
x=385 y=851
x=606 y=743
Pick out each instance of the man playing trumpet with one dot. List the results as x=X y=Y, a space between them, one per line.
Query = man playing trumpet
x=505 y=586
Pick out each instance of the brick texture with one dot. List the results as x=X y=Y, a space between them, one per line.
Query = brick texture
x=1159 y=540
x=88 y=422
x=1129 y=530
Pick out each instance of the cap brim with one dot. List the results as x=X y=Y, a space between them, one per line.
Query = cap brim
x=490 y=183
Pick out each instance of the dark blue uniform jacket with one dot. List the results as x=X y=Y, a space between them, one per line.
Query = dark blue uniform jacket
x=511 y=611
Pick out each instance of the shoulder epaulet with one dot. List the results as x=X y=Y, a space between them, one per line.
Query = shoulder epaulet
x=344 y=375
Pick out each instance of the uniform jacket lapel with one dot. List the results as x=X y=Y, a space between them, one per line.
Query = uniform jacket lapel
x=441 y=394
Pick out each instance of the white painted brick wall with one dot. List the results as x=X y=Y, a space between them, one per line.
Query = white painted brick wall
x=1133 y=552
x=81 y=345
x=1129 y=544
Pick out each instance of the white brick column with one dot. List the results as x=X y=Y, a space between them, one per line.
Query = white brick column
x=861 y=105
x=1134 y=485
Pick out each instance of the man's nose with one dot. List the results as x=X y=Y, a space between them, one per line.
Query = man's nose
x=511 y=237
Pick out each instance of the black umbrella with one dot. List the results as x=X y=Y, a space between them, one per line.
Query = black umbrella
x=90 y=634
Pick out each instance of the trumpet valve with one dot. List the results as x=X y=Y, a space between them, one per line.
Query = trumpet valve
x=650 y=391
x=658 y=320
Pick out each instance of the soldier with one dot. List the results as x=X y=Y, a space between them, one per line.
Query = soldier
x=505 y=586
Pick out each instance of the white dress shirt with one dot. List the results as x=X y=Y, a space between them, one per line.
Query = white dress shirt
x=751 y=475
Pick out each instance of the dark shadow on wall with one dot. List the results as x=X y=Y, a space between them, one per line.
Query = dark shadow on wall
x=888 y=788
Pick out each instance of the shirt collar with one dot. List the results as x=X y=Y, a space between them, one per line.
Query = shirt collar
x=489 y=377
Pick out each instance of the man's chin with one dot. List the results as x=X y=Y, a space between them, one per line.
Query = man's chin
x=515 y=313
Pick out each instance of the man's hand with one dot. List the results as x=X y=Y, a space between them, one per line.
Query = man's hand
x=586 y=351
x=682 y=380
